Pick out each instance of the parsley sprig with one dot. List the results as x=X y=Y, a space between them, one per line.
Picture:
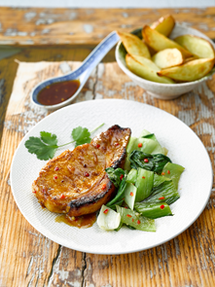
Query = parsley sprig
x=46 y=145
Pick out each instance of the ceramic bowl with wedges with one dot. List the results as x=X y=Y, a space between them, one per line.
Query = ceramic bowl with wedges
x=167 y=59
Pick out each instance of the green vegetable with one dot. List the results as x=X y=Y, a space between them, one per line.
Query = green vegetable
x=159 y=161
x=150 y=143
x=131 y=176
x=153 y=210
x=135 y=220
x=166 y=190
x=45 y=146
x=173 y=171
x=149 y=136
x=158 y=179
x=127 y=165
x=146 y=133
x=144 y=183
x=151 y=162
x=130 y=195
x=119 y=197
x=144 y=189
x=114 y=175
x=119 y=227
x=108 y=219
x=132 y=144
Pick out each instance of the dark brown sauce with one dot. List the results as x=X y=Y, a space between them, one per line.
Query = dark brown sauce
x=83 y=221
x=58 y=92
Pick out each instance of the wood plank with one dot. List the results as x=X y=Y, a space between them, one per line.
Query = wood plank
x=44 y=26
x=27 y=258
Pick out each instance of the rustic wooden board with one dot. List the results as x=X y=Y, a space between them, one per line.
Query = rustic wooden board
x=27 y=258
x=40 y=26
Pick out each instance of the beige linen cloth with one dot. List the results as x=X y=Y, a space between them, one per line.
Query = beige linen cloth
x=106 y=81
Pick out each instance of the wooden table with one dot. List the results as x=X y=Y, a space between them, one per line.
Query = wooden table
x=27 y=258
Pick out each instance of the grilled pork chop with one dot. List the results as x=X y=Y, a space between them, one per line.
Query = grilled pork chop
x=75 y=182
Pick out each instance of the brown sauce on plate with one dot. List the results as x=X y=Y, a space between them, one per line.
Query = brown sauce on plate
x=58 y=92
x=83 y=221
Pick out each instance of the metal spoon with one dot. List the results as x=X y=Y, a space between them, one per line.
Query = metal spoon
x=81 y=74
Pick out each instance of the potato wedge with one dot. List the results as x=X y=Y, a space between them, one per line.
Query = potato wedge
x=146 y=69
x=164 y=25
x=191 y=71
x=133 y=45
x=168 y=58
x=196 y=45
x=146 y=62
x=190 y=59
x=160 y=42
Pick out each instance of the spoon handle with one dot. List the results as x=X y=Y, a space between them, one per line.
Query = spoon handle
x=94 y=57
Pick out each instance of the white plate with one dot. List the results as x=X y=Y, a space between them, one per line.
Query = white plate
x=184 y=147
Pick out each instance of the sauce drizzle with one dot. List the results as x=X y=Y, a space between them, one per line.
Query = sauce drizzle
x=58 y=92
x=83 y=221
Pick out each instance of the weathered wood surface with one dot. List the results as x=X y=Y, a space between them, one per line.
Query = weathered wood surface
x=27 y=258
x=39 y=26
x=8 y=65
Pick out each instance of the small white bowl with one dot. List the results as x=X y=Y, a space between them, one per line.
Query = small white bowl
x=158 y=90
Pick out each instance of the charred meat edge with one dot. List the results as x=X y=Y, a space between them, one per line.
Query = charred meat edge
x=93 y=202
